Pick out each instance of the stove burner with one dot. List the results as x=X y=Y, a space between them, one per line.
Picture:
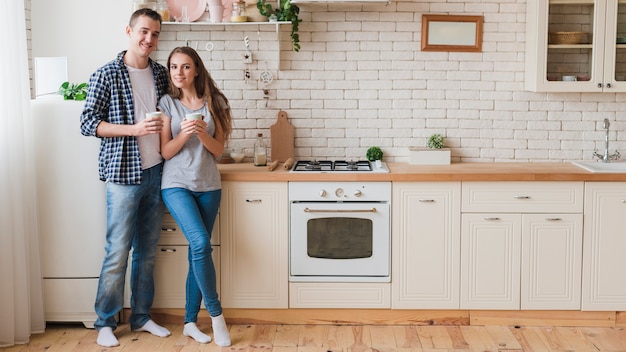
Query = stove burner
x=333 y=166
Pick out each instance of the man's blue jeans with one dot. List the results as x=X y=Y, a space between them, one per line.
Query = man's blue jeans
x=134 y=219
x=195 y=213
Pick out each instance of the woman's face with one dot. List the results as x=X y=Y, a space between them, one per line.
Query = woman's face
x=182 y=70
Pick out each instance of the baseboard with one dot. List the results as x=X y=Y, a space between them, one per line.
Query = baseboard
x=399 y=317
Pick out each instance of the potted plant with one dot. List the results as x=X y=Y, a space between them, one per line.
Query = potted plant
x=286 y=12
x=73 y=91
x=434 y=154
x=375 y=154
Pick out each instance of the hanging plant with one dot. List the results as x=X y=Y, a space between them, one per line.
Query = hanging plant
x=286 y=12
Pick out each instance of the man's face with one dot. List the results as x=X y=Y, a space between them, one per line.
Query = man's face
x=144 y=36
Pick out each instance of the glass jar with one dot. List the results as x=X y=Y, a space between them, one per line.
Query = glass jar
x=260 y=151
x=239 y=12
x=163 y=10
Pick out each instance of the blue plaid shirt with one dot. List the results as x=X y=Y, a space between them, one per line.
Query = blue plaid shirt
x=110 y=99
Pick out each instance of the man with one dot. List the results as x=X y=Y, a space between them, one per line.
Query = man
x=120 y=94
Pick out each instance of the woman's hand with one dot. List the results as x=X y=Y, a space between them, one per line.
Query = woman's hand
x=188 y=127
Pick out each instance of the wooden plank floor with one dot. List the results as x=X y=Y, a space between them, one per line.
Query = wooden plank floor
x=345 y=338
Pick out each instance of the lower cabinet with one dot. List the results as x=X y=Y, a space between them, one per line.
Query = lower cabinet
x=254 y=229
x=425 y=245
x=526 y=253
x=521 y=261
x=605 y=245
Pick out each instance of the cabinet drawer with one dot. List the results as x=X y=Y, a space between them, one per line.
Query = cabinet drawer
x=172 y=235
x=529 y=197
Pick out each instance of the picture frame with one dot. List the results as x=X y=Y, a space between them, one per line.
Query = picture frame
x=461 y=33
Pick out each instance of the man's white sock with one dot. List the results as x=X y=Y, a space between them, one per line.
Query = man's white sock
x=106 y=337
x=191 y=330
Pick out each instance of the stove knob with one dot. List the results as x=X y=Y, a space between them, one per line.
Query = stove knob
x=357 y=193
x=339 y=192
x=322 y=193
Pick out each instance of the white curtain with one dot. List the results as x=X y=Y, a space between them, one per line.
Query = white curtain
x=21 y=299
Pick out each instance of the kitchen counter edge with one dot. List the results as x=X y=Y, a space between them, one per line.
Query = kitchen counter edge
x=403 y=172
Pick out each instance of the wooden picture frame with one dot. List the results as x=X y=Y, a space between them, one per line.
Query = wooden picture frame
x=452 y=33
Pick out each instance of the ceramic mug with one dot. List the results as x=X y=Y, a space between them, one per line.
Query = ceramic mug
x=194 y=116
x=156 y=114
x=569 y=78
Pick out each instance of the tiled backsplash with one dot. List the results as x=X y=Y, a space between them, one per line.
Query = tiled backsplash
x=360 y=80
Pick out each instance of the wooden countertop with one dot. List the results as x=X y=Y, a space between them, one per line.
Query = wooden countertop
x=506 y=171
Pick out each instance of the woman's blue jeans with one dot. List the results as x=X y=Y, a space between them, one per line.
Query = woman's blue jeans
x=195 y=213
x=134 y=217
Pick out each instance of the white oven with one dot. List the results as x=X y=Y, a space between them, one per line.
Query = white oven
x=340 y=231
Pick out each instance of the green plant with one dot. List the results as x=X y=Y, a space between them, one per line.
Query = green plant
x=435 y=141
x=73 y=91
x=374 y=153
x=286 y=12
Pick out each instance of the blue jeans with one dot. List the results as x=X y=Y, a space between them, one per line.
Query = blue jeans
x=195 y=213
x=134 y=219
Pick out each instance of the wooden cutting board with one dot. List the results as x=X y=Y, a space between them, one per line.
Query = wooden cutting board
x=282 y=136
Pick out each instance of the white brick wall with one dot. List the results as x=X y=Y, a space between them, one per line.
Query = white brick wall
x=360 y=79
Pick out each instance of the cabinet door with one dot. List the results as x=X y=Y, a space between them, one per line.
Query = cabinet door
x=595 y=60
x=551 y=261
x=170 y=276
x=254 y=235
x=426 y=242
x=490 y=261
x=604 y=283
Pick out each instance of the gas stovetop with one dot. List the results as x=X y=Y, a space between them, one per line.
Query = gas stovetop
x=325 y=166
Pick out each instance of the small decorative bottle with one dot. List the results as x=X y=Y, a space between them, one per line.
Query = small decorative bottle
x=260 y=151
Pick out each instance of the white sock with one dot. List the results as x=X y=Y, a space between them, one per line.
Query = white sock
x=154 y=329
x=106 y=338
x=220 y=331
x=191 y=330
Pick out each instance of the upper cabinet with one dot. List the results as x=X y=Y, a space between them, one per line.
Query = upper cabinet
x=576 y=46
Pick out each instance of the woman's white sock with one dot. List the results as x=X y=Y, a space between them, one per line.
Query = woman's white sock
x=154 y=329
x=191 y=330
x=220 y=331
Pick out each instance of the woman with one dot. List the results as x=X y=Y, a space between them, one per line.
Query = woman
x=191 y=185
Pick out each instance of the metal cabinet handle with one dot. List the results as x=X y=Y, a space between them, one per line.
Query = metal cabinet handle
x=168 y=250
x=253 y=201
x=168 y=229
x=426 y=201
x=521 y=197
x=553 y=219
x=609 y=85
x=307 y=210
x=599 y=85
x=491 y=218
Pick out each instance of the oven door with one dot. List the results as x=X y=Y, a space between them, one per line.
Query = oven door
x=340 y=241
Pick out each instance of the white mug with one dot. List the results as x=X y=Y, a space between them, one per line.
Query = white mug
x=194 y=116
x=153 y=114
x=569 y=78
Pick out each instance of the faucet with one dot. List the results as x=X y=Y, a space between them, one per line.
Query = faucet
x=606 y=157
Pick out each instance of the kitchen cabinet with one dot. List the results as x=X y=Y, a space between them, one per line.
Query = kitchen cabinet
x=426 y=239
x=171 y=265
x=605 y=240
x=254 y=233
x=71 y=211
x=521 y=245
x=597 y=59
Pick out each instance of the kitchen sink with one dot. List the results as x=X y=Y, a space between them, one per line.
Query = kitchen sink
x=600 y=167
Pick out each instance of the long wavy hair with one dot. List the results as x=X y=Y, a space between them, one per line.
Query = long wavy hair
x=206 y=89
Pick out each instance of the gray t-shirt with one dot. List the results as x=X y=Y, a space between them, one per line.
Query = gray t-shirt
x=193 y=167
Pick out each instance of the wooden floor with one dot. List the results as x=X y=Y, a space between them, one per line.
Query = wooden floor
x=347 y=338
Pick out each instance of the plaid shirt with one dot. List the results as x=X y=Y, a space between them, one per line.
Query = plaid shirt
x=110 y=99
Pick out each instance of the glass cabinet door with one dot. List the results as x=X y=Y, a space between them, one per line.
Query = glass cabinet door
x=571 y=54
x=618 y=41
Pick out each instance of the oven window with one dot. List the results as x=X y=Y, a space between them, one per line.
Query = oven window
x=339 y=238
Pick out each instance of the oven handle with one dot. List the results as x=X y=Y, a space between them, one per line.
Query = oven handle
x=307 y=210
